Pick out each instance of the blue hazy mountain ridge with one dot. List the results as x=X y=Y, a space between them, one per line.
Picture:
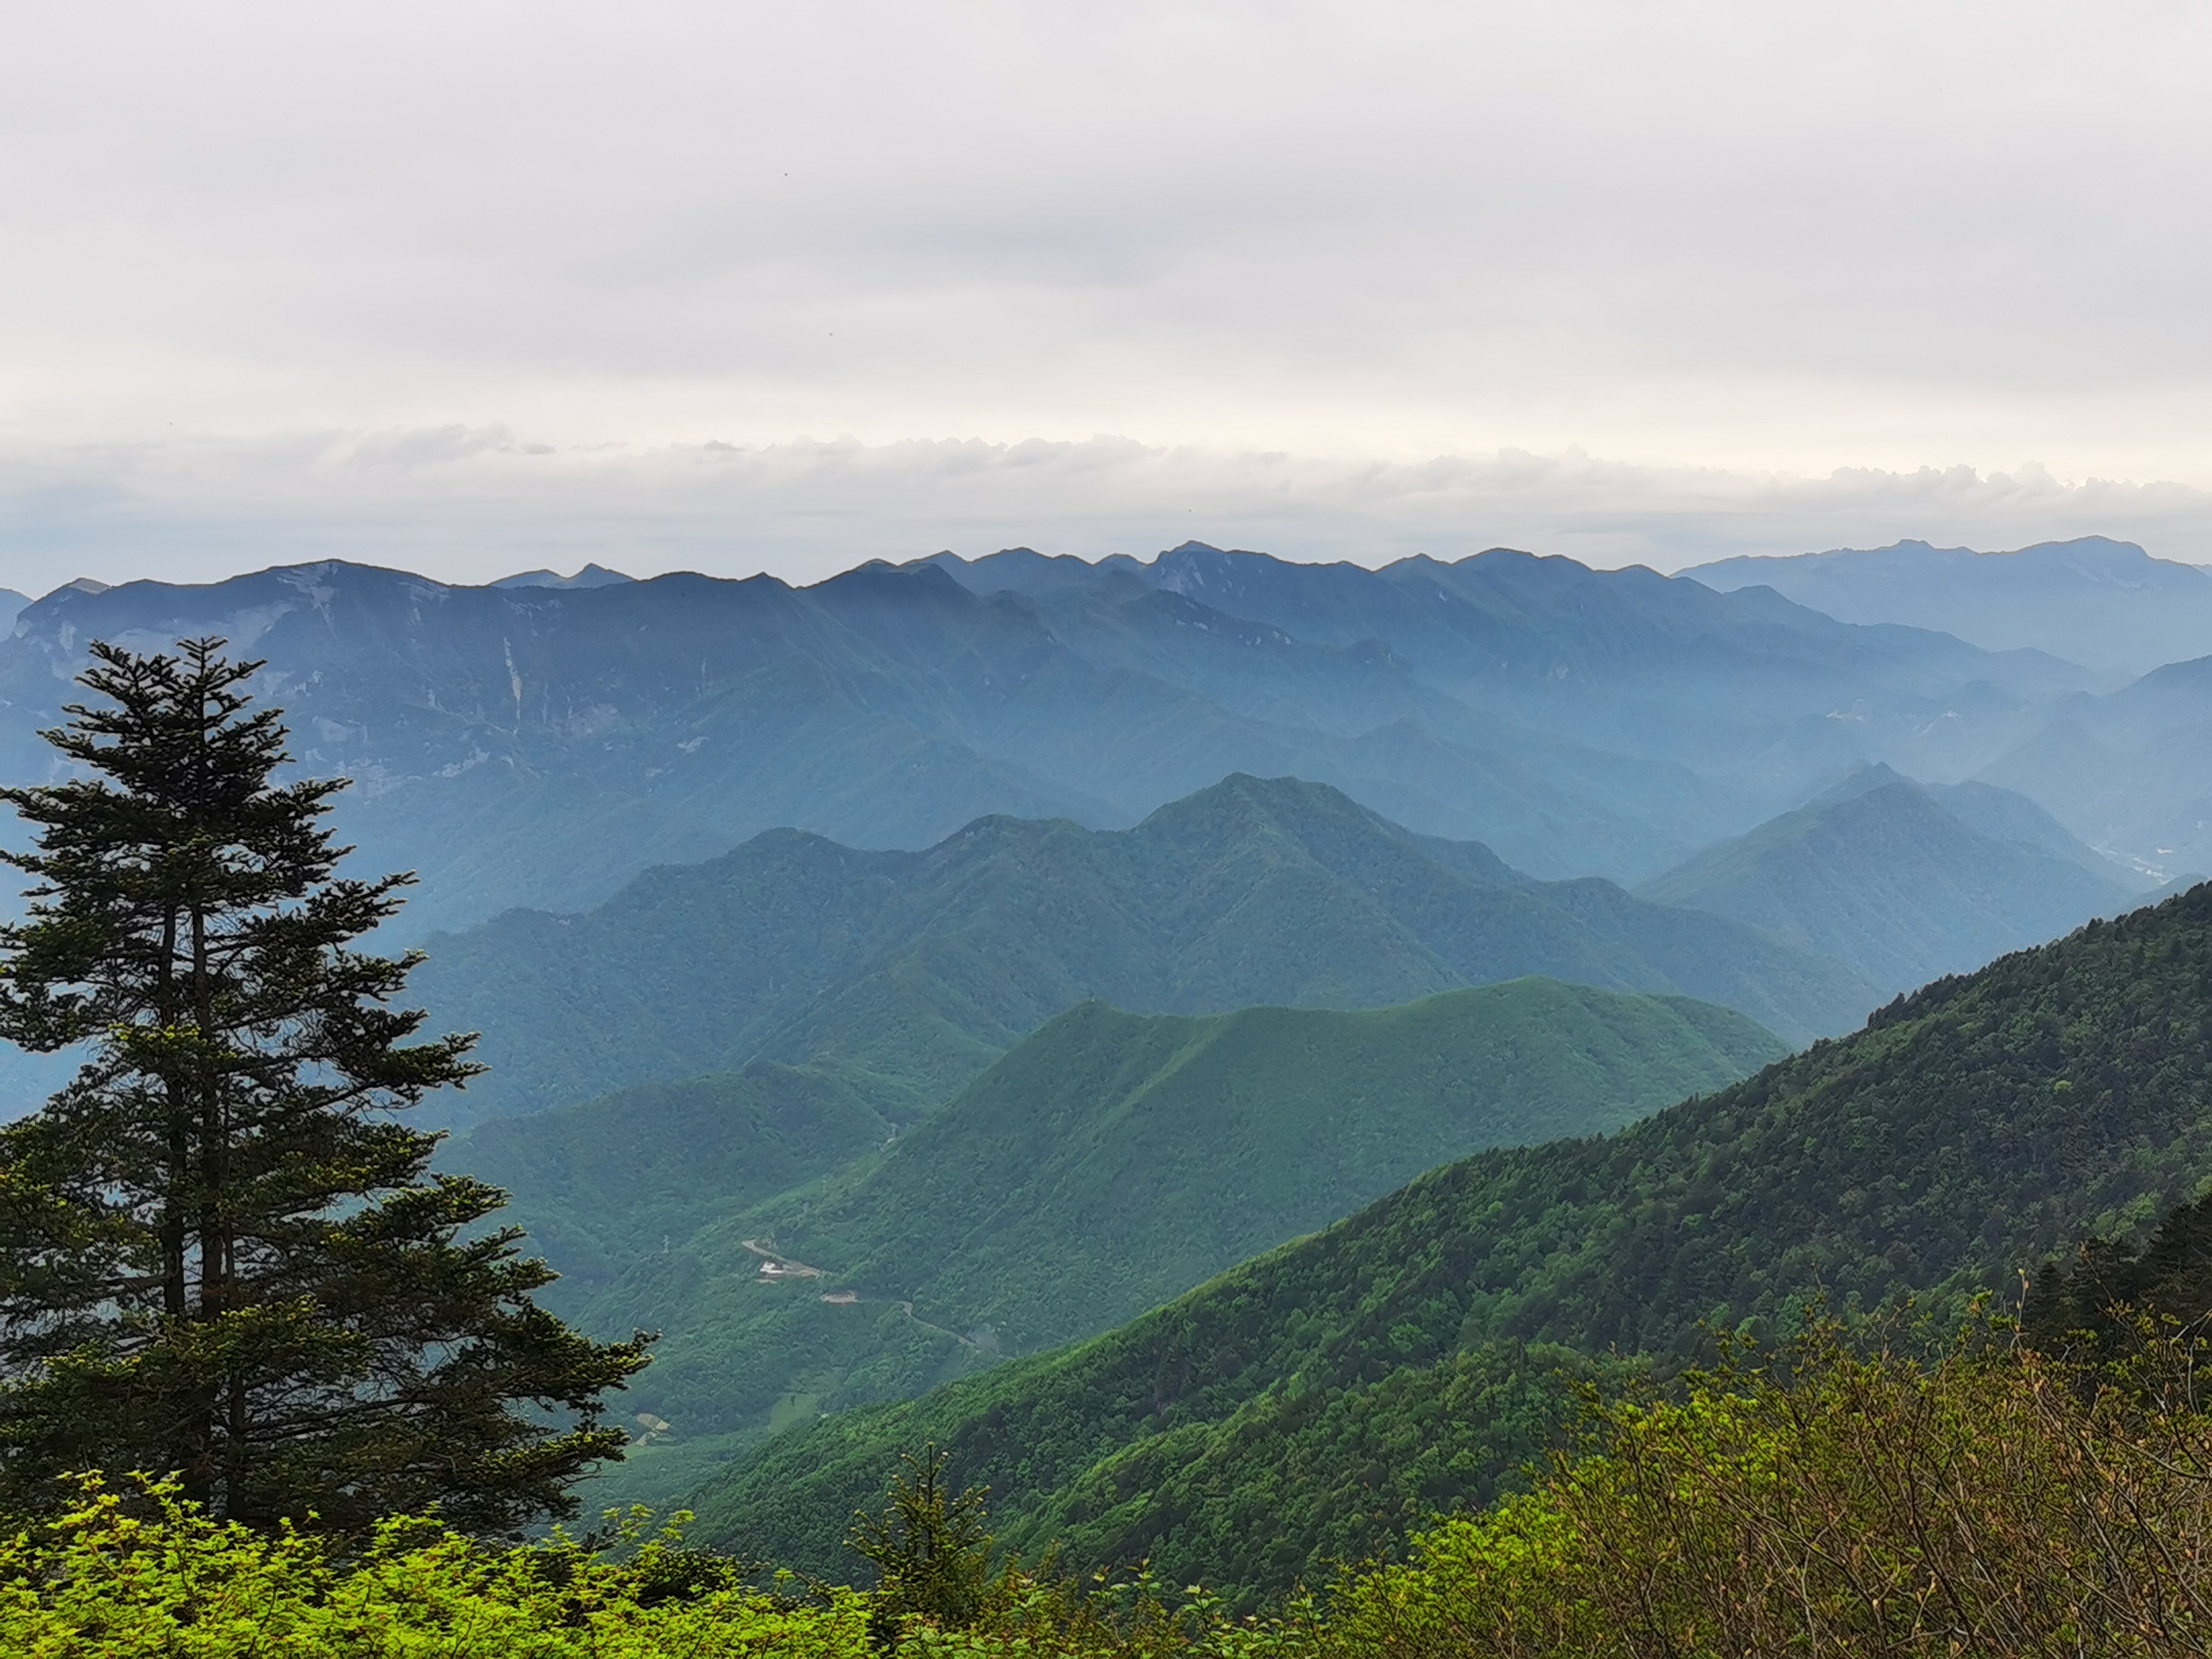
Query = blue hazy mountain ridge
x=1108 y=1162
x=542 y=745
x=1621 y=660
x=2131 y=771
x=1905 y=883
x=539 y=745
x=903 y=975
x=592 y=575
x=2107 y=604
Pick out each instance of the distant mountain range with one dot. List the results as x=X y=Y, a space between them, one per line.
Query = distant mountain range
x=902 y=974
x=539 y=744
x=1741 y=689
x=1904 y=883
x=2106 y=605
x=2131 y=771
x=1334 y=1391
x=1106 y=1164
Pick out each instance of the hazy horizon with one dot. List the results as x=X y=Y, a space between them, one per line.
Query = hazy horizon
x=646 y=574
x=473 y=289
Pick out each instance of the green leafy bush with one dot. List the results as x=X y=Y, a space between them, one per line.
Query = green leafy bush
x=135 y=1572
x=138 y=1571
x=1993 y=1502
x=1830 y=1500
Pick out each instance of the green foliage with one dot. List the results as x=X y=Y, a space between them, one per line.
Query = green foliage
x=1302 y=1480
x=139 y=1573
x=2094 y=1306
x=124 y=1575
x=931 y=1549
x=1837 y=1497
x=220 y=1253
x=1109 y=1162
x=1973 y=1128
x=1112 y=1160
x=1844 y=1502
x=906 y=973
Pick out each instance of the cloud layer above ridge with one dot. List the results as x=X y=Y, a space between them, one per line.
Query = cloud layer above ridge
x=476 y=280
x=471 y=506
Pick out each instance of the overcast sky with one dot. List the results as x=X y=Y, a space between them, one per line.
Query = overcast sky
x=473 y=287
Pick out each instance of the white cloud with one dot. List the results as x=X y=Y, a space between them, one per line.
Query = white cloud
x=1739 y=244
x=472 y=505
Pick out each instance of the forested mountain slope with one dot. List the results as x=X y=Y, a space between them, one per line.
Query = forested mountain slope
x=1108 y=1164
x=1892 y=878
x=606 y=1184
x=1973 y=1129
x=907 y=973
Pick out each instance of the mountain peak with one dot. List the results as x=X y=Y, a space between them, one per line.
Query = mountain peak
x=1244 y=795
x=1903 y=882
x=592 y=575
x=1861 y=780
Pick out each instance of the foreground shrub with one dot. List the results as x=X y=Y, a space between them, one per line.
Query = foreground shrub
x=121 y=1576
x=1992 y=1503
x=136 y=1572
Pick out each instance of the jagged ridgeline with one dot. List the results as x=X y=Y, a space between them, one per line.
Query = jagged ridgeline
x=539 y=746
x=1108 y=1164
x=1322 y=1396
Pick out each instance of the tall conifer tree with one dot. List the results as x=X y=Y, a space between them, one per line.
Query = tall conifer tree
x=220 y=1255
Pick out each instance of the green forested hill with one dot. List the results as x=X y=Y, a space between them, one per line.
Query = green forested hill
x=1905 y=883
x=907 y=973
x=1112 y=1160
x=608 y=1183
x=1970 y=1131
x=1106 y=1165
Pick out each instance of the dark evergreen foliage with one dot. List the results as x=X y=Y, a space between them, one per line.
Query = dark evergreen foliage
x=219 y=1254
x=2096 y=1302
x=931 y=1548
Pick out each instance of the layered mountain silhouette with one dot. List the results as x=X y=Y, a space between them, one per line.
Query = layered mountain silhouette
x=2104 y=604
x=1624 y=661
x=1905 y=883
x=540 y=744
x=905 y=973
x=2131 y=771
x=1971 y=1132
